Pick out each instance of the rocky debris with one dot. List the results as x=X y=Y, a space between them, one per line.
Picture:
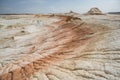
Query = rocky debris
x=95 y=11
x=71 y=19
x=37 y=15
x=51 y=15
x=69 y=51
x=72 y=13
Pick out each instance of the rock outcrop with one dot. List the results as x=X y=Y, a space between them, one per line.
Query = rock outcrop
x=61 y=48
x=95 y=11
x=71 y=13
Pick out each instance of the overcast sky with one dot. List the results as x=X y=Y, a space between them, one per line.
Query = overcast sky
x=56 y=6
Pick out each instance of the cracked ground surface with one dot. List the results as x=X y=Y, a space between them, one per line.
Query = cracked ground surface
x=59 y=47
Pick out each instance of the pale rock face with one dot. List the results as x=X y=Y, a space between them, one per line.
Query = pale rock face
x=60 y=50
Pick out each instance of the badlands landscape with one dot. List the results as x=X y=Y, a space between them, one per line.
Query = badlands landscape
x=68 y=46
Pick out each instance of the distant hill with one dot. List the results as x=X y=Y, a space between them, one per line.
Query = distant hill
x=113 y=12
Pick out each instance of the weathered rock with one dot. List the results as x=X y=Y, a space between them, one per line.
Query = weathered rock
x=95 y=11
x=71 y=50
x=72 y=13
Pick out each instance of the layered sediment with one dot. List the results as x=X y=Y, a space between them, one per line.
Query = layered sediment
x=61 y=48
